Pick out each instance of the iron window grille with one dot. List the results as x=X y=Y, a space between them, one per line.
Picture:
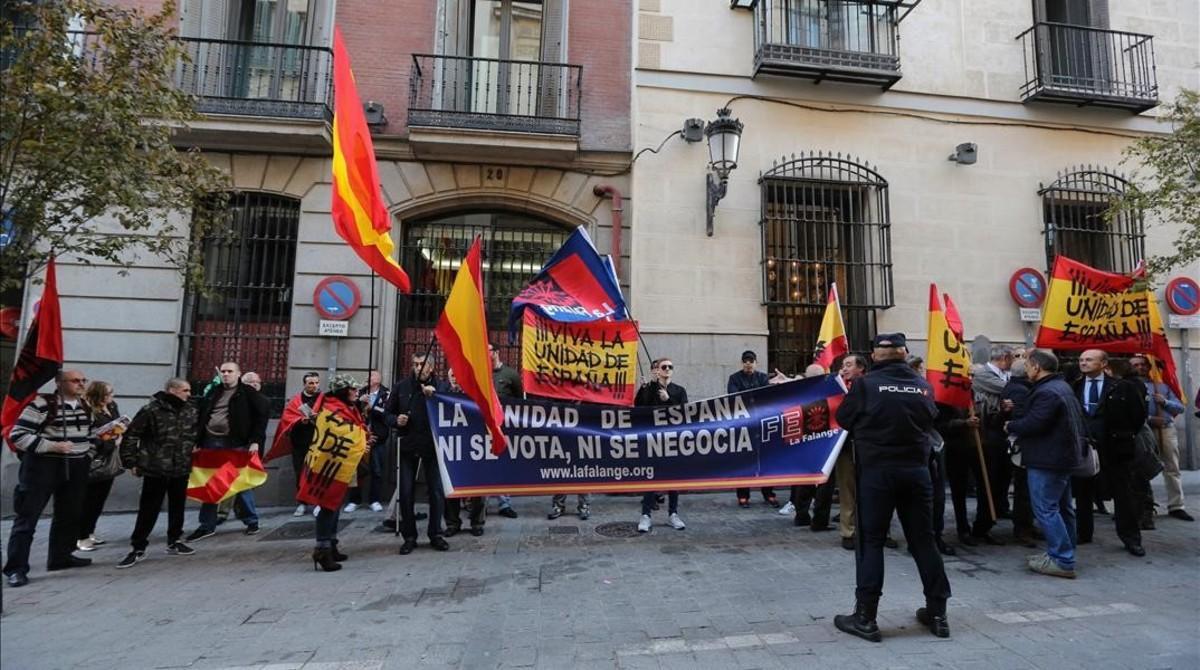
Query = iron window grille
x=244 y=311
x=515 y=246
x=824 y=218
x=257 y=78
x=840 y=40
x=1079 y=222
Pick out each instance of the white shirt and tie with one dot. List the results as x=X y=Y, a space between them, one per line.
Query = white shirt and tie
x=1093 y=391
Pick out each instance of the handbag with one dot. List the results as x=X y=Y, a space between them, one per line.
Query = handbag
x=1089 y=466
x=1146 y=463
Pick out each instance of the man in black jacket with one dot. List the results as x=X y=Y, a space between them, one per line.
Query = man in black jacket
x=661 y=391
x=1051 y=436
x=409 y=415
x=889 y=413
x=743 y=380
x=1116 y=410
x=158 y=448
x=233 y=416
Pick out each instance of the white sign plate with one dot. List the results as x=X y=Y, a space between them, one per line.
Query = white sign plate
x=1181 y=321
x=328 y=328
x=1030 y=314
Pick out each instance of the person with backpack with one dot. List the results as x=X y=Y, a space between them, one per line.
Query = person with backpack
x=53 y=437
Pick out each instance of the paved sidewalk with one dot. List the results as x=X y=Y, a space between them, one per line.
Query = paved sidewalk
x=737 y=589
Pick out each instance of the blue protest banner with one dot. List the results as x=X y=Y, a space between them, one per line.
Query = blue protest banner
x=775 y=435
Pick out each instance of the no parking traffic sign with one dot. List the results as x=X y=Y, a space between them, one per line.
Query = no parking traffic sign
x=336 y=298
x=1028 y=288
x=1183 y=296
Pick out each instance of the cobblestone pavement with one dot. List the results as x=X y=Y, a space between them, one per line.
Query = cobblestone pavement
x=737 y=589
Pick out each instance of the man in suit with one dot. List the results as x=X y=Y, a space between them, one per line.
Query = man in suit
x=1115 y=410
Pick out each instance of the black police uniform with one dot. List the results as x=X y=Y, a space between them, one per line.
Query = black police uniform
x=888 y=413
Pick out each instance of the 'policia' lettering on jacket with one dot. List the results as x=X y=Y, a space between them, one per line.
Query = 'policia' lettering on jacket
x=888 y=413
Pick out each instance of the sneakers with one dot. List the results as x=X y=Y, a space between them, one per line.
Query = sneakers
x=350 y=507
x=300 y=510
x=556 y=511
x=787 y=509
x=131 y=559
x=1045 y=565
x=676 y=522
x=86 y=544
x=316 y=510
x=178 y=548
x=644 y=524
x=584 y=512
x=252 y=529
x=200 y=534
x=376 y=507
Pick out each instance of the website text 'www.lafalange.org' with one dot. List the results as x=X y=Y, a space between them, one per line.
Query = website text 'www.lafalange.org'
x=616 y=473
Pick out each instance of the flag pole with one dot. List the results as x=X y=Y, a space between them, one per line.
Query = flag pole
x=983 y=468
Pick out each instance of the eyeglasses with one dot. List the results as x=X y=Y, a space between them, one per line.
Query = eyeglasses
x=666 y=367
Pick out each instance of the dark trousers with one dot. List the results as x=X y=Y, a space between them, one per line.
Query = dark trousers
x=1127 y=504
x=962 y=462
x=39 y=479
x=820 y=497
x=154 y=489
x=298 y=456
x=908 y=492
x=410 y=463
x=768 y=492
x=995 y=452
x=1022 y=509
x=370 y=472
x=327 y=526
x=649 y=499
x=937 y=478
x=94 y=496
x=476 y=511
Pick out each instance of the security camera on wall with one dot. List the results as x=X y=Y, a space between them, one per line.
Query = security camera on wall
x=965 y=153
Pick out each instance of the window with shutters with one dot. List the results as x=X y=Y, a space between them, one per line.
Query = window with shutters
x=500 y=65
x=824 y=219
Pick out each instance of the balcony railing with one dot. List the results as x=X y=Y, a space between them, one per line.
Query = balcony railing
x=256 y=78
x=492 y=94
x=839 y=40
x=1089 y=66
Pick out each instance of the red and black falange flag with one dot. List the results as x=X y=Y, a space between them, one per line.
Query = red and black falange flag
x=40 y=360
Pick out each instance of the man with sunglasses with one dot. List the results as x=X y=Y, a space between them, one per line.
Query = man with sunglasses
x=53 y=438
x=660 y=391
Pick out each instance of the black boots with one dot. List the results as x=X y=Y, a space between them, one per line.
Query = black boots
x=934 y=618
x=323 y=558
x=337 y=555
x=861 y=623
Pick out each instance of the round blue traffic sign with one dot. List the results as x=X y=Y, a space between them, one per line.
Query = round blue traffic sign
x=1027 y=287
x=336 y=298
x=1183 y=296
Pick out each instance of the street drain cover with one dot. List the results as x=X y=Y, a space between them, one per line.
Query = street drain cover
x=618 y=529
x=299 y=530
x=564 y=530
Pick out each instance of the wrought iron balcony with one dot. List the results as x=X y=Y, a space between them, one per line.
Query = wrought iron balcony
x=837 y=40
x=463 y=92
x=256 y=78
x=1089 y=66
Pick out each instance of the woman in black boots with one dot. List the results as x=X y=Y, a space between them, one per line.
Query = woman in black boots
x=338 y=423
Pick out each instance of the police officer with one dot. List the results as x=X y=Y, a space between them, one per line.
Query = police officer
x=888 y=414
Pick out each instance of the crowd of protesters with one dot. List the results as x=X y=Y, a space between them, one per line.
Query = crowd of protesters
x=1028 y=452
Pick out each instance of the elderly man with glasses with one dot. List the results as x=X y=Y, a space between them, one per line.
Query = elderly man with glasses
x=53 y=438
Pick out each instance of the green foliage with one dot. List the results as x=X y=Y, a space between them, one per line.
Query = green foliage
x=1166 y=184
x=88 y=168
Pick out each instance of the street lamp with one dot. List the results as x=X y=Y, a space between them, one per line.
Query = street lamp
x=724 y=139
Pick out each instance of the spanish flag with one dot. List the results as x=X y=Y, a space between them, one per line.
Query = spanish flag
x=1087 y=308
x=360 y=215
x=831 y=341
x=948 y=365
x=220 y=474
x=339 y=443
x=462 y=331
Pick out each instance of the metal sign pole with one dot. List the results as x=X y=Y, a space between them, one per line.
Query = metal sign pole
x=1189 y=418
x=333 y=355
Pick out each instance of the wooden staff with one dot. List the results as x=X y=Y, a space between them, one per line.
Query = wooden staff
x=987 y=484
